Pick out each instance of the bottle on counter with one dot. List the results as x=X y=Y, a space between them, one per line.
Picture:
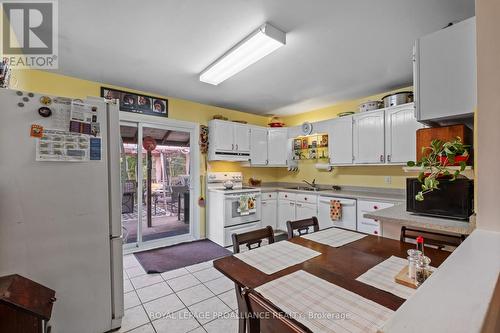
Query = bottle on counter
x=420 y=244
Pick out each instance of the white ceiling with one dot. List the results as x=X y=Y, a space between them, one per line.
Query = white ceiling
x=336 y=49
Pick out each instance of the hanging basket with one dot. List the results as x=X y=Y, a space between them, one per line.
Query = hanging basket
x=149 y=143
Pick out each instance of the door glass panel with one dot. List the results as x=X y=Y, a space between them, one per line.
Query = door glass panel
x=166 y=178
x=128 y=172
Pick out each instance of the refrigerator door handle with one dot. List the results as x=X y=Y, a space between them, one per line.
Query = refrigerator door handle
x=117 y=304
x=114 y=181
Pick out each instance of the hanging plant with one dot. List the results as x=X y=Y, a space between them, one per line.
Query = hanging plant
x=436 y=163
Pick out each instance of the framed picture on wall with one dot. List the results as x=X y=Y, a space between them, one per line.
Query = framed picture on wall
x=137 y=103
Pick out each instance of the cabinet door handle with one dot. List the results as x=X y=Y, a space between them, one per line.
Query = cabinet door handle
x=291 y=204
x=382 y=158
x=298 y=205
x=388 y=157
x=236 y=146
x=267 y=162
x=232 y=146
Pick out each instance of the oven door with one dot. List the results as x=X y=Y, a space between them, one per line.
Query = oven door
x=231 y=215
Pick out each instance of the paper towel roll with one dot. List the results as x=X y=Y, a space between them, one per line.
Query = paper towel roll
x=323 y=166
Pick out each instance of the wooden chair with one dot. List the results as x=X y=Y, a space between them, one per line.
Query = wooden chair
x=302 y=226
x=436 y=239
x=252 y=239
x=265 y=317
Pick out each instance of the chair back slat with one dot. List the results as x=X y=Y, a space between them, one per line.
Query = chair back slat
x=440 y=240
x=302 y=226
x=252 y=239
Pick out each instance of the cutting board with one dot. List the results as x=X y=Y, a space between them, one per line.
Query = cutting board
x=403 y=278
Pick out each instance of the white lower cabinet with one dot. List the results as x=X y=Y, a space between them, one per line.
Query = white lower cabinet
x=370 y=226
x=286 y=212
x=305 y=210
x=295 y=206
x=269 y=206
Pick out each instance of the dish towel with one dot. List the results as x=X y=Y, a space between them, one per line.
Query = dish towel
x=246 y=205
x=335 y=210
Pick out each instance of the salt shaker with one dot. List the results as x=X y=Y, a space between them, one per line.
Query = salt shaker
x=413 y=256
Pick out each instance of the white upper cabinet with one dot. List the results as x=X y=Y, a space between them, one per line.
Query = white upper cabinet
x=277 y=146
x=444 y=73
x=258 y=146
x=340 y=140
x=221 y=135
x=241 y=137
x=268 y=146
x=368 y=137
x=400 y=133
x=228 y=141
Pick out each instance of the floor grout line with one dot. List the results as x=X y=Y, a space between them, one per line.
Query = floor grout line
x=175 y=292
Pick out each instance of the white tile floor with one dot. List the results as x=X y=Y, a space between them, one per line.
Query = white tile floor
x=195 y=299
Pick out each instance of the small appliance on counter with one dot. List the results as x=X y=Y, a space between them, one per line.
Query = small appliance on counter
x=454 y=199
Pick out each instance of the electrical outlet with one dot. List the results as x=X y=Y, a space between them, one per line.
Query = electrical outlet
x=388 y=179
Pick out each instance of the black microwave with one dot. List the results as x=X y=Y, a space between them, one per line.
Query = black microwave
x=453 y=199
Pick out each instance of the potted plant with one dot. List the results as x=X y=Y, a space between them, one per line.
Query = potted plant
x=436 y=163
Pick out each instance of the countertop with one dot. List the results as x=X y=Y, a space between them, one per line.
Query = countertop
x=398 y=214
x=376 y=194
x=456 y=297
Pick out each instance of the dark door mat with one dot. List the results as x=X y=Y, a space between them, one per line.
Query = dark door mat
x=180 y=255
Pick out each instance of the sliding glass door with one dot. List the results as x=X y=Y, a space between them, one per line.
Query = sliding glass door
x=157 y=186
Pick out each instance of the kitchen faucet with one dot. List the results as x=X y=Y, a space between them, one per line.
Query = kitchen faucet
x=312 y=184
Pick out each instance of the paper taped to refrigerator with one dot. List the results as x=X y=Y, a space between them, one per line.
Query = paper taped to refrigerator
x=63 y=146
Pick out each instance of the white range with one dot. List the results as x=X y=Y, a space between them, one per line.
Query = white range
x=223 y=214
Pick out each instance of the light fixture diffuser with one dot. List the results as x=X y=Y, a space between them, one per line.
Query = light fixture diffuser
x=263 y=41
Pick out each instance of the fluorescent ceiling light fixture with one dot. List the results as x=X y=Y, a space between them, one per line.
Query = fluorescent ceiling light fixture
x=263 y=41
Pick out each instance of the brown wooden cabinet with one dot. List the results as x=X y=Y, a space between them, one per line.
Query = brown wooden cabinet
x=25 y=306
x=444 y=133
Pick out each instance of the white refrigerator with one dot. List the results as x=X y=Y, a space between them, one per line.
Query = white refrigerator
x=60 y=221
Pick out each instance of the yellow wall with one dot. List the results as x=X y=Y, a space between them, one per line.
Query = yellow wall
x=55 y=84
x=59 y=85
x=357 y=176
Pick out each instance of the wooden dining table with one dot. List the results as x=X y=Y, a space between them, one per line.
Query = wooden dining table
x=340 y=266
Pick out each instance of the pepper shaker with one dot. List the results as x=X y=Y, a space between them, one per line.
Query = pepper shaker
x=423 y=270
